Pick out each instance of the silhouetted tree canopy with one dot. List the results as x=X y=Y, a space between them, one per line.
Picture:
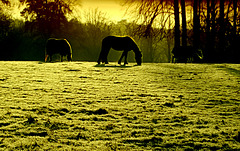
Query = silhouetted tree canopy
x=48 y=16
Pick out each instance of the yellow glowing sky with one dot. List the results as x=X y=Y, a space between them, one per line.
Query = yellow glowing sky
x=112 y=8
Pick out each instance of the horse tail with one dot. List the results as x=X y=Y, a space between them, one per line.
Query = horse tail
x=46 y=57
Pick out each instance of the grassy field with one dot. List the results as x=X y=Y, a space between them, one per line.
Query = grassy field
x=81 y=106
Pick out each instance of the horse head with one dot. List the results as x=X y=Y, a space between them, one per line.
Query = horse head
x=138 y=58
x=69 y=57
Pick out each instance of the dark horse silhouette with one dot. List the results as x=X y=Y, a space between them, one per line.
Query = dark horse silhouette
x=58 y=46
x=186 y=54
x=124 y=44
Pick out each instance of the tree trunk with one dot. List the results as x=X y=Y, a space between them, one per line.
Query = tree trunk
x=208 y=42
x=196 y=25
x=184 y=24
x=235 y=17
x=221 y=31
x=235 y=52
x=177 y=31
x=169 y=41
x=212 y=53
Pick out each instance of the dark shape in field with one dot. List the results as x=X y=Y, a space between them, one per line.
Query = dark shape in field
x=99 y=111
x=124 y=44
x=58 y=46
x=186 y=54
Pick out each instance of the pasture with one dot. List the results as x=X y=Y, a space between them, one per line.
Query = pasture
x=81 y=106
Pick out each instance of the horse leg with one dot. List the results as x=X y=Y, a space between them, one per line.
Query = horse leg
x=125 y=61
x=105 y=59
x=120 y=60
x=100 y=58
x=105 y=54
x=124 y=54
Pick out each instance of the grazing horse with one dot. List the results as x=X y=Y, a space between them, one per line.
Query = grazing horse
x=124 y=44
x=58 y=46
x=186 y=54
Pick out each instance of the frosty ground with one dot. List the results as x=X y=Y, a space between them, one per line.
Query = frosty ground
x=82 y=106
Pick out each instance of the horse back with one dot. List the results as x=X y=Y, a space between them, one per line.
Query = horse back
x=119 y=42
x=60 y=46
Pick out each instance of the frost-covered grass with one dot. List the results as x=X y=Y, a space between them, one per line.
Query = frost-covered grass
x=80 y=106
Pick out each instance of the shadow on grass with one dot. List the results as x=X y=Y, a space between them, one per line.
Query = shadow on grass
x=230 y=70
x=233 y=71
x=114 y=66
x=152 y=141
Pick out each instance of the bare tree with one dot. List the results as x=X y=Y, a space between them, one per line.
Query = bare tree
x=151 y=14
x=96 y=24
x=215 y=23
x=96 y=28
x=148 y=12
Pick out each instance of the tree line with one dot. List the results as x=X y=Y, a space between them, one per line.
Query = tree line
x=158 y=26
x=211 y=25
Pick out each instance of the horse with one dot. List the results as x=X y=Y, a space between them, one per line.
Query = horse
x=120 y=43
x=58 y=46
x=186 y=54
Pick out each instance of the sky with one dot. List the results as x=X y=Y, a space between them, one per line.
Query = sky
x=113 y=9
